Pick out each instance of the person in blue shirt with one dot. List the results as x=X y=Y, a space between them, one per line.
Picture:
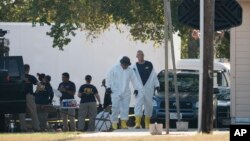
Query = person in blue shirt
x=149 y=83
x=88 y=94
x=30 y=80
x=43 y=97
x=68 y=89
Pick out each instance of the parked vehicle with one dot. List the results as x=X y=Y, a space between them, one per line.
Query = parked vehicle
x=223 y=108
x=188 y=86
x=12 y=97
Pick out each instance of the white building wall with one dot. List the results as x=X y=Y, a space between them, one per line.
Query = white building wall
x=81 y=56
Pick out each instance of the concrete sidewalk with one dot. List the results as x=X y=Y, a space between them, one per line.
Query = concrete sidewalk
x=143 y=132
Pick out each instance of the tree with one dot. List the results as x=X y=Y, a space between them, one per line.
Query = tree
x=15 y=11
x=144 y=17
x=222 y=44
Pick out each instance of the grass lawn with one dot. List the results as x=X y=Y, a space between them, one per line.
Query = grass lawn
x=75 y=136
x=39 y=136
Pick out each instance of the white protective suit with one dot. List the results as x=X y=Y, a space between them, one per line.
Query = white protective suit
x=118 y=80
x=145 y=96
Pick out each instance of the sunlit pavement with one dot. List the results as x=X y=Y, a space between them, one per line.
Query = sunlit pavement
x=144 y=132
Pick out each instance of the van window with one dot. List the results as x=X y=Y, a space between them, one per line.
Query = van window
x=186 y=82
x=12 y=66
x=220 y=79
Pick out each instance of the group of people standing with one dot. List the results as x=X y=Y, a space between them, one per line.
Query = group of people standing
x=35 y=101
x=118 y=95
x=43 y=96
x=145 y=82
x=89 y=96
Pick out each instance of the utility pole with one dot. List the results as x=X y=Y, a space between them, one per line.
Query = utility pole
x=207 y=96
x=201 y=63
x=170 y=30
x=166 y=30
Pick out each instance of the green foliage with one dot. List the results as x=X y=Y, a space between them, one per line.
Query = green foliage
x=15 y=10
x=144 y=17
x=222 y=45
x=68 y=16
x=223 y=50
x=185 y=39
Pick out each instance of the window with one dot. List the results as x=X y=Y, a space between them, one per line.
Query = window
x=13 y=66
x=220 y=79
x=187 y=82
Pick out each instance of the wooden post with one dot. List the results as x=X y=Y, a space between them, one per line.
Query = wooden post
x=173 y=59
x=166 y=30
x=207 y=96
x=201 y=63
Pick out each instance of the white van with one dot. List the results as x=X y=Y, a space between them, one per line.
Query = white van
x=221 y=70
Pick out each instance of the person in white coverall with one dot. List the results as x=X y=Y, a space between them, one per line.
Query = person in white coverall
x=148 y=80
x=117 y=80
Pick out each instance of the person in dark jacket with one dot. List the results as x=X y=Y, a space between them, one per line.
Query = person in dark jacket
x=107 y=97
x=30 y=80
x=88 y=94
x=43 y=97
